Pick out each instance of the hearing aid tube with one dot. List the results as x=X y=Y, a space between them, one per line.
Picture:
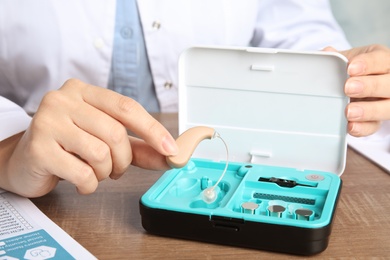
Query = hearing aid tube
x=187 y=142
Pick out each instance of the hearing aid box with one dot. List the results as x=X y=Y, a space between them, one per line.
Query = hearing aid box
x=281 y=114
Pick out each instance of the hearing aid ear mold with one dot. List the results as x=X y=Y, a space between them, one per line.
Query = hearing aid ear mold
x=187 y=142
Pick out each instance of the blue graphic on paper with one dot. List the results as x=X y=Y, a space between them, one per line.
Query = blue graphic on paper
x=37 y=245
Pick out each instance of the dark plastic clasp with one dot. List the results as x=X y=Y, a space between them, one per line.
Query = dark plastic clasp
x=280 y=182
x=227 y=223
x=284 y=182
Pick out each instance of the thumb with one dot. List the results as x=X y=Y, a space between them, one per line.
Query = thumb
x=330 y=48
x=368 y=60
x=351 y=53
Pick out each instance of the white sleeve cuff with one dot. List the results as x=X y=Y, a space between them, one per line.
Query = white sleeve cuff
x=13 y=119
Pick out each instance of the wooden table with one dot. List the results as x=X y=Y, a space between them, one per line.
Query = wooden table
x=108 y=222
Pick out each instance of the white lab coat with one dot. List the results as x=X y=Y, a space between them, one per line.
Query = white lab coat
x=43 y=43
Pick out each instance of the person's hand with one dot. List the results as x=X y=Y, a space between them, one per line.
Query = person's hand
x=79 y=134
x=368 y=87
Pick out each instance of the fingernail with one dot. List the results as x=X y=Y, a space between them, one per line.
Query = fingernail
x=170 y=146
x=353 y=87
x=115 y=176
x=354 y=113
x=356 y=68
x=354 y=129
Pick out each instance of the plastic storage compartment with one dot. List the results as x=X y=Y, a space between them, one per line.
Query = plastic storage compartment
x=282 y=115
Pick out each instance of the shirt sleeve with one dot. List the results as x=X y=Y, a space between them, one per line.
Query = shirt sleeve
x=299 y=25
x=13 y=119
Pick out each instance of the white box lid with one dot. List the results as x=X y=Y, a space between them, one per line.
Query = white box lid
x=271 y=106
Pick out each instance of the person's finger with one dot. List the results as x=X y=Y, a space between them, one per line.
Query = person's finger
x=368 y=60
x=70 y=168
x=330 y=48
x=130 y=113
x=60 y=163
x=360 y=129
x=368 y=86
x=145 y=156
x=87 y=147
x=360 y=111
x=111 y=132
x=71 y=137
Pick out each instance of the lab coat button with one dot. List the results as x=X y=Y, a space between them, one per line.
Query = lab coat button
x=168 y=85
x=156 y=25
x=98 y=43
x=126 y=32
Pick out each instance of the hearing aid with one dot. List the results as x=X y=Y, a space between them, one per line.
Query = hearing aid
x=187 y=142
